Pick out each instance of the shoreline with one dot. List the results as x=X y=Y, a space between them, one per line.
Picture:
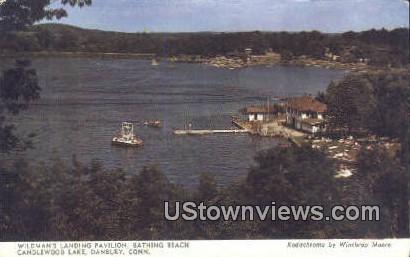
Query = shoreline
x=79 y=55
x=226 y=63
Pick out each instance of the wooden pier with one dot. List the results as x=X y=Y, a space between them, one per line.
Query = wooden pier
x=205 y=132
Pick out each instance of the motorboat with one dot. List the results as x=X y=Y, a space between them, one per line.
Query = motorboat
x=126 y=136
x=153 y=123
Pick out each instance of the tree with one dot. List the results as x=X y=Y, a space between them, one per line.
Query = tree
x=388 y=180
x=292 y=167
x=392 y=93
x=19 y=85
x=207 y=189
x=351 y=103
x=20 y=217
x=45 y=38
x=293 y=176
x=16 y=15
x=144 y=197
x=378 y=102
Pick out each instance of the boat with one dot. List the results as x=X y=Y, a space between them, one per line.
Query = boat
x=126 y=136
x=153 y=123
x=154 y=62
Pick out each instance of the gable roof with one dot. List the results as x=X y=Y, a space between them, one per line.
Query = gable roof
x=306 y=104
x=258 y=109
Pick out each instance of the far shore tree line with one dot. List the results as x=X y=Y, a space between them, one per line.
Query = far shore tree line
x=376 y=47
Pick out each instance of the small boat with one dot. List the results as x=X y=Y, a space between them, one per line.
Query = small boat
x=154 y=62
x=153 y=123
x=126 y=136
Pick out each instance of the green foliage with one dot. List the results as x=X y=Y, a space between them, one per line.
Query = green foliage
x=45 y=38
x=388 y=180
x=293 y=175
x=392 y=91
x=93 y=203
x=146 y=194
x=18 y=87
x=377 y=102
x=207 y=189
x=281 y=172
x=379 y=47
x=16 y=15
x=22 y=218
x=350 y=103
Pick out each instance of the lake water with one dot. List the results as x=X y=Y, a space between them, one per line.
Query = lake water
x=84 y=102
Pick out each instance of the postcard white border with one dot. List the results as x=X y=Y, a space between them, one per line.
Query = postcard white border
x=240 y=248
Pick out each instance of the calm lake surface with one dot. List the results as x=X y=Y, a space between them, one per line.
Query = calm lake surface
x=84 y=102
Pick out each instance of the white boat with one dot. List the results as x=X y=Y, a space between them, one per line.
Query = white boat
x=153 y=123
x=154 y=62
x=126 y=136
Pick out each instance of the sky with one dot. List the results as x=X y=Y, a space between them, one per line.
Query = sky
x=240 y=15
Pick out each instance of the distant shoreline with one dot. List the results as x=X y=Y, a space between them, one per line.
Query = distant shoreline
x=78 y=54
x=298 y=61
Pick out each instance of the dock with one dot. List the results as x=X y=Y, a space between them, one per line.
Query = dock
x=205 y=132
x=274 y=128
x=240 y=124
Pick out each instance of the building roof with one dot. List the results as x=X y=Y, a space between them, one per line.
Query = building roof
x=306 y=104
x=258 y=109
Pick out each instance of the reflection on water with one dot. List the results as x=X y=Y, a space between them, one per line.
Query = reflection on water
x=85 y=100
